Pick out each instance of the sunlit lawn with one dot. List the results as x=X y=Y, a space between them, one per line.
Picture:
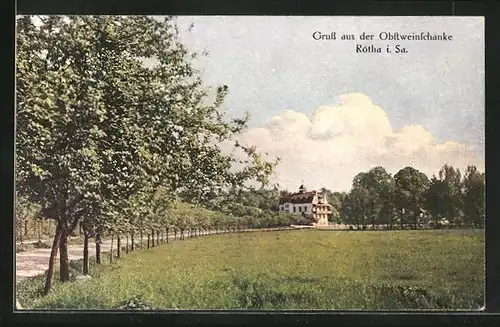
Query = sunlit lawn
x=305 y=269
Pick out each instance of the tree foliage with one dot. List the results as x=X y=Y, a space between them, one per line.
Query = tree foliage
x=107 y=141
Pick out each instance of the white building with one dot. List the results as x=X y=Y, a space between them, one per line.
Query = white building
x=309 y=204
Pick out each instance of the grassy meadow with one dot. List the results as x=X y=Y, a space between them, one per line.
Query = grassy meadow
x=303 y=269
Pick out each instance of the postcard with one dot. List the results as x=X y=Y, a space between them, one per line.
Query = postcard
x=250 y=162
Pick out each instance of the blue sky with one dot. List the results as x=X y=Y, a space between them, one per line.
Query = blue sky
x=272 y=64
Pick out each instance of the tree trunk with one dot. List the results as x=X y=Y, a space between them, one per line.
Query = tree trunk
x=363 y=224
x=175 y=234
x=401 y=219
x=118 y=246
x=157 y=238
x=98 y=248
x=49 y=281
x=63 y=257
x=166 y=233
x=141 y=238
x=148 y=240
x=390 y=219
x=39 y=231
x=111 y=251
x=26 y=227
x=85 y=253
x=373 y=215
x=152 y=238
x=126 y=244
x=132 y=241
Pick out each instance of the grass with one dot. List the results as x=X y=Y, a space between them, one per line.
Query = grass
x=306 y=269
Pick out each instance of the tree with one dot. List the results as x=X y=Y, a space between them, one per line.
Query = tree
x=347 y=210
x=362 y=190
x=410 y=188
x=434 y=199
x=361 y=198
x=379 y=184
x=338 y=199
x=473 y=197
x=59 y=117
x=451 y=194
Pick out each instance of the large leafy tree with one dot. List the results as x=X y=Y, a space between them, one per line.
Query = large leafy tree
x=451 y=196
x=96 y=126
x=410 y=188
x=380 y=187
x=336 y=199
x=434 y=199
x=361 y=197
x=473 y=196
x=349 y=211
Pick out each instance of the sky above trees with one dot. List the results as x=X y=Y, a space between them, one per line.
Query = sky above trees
x=329 y=112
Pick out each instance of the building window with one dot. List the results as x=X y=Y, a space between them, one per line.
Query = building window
x=294 y=209
x=300 y=209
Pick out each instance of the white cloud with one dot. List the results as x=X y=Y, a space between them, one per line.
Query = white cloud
x=337 y=142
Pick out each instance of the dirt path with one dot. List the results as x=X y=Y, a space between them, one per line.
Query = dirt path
x=35 y=261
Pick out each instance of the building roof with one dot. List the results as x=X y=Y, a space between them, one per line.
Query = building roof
x=304 y=197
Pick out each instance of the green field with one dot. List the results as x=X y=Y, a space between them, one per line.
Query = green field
x=307 y=269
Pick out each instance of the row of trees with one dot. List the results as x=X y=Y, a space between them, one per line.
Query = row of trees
x=410 y=198
x=114 y=145
x=180 y=219
x=407 y=199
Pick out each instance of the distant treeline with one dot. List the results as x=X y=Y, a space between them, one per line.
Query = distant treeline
x=409 y=199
